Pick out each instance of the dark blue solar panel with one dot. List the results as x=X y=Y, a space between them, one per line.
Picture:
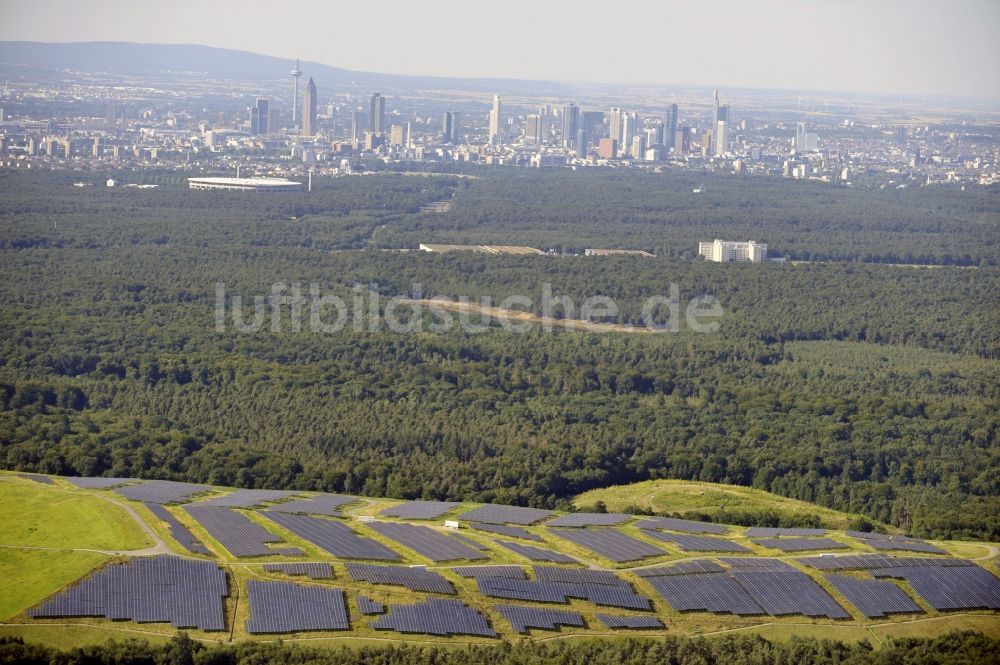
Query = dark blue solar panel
x=684 y=526
x=523 y=617
x=98 y=483
x=178 y=531
x=37 y=477
x=496 y=514
x=748 y=563
x=576 y=575
x=161 y=491
x=247 y=498
x=334 y=537
x=322 y=504
x=783 y=592
x=903 y=545
x=690 y=543
x=875 y=598
x=239 y=534
x=775 y=532
x=872 y=561
x=515 y=572
x=435 y=616
x=589 y=519
x=426 y=541
x=557 y=585
x=315 y=571
x=368 y=606
x=631 y=621
x=537 y=553
x=504 y=530
x=185 y=592
x=610 y=543
x=800 y=544
x=681 y=568
x=710 y=592
x=420 y=510
x=413 y=578
x=286 y=607
x=950 y=587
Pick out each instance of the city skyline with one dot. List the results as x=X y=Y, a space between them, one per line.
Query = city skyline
x=891 y=46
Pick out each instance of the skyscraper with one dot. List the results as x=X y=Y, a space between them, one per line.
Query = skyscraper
x=376 y=115
x=570 y=123
x=533 y=129
x=629 y=129
x=296 y=73
x=259 y=117
x=450 y=129
x=670 y=126
x=615 y=125
x=800 y=137
x=720 y=138
x=495 y=129
x=309 y=110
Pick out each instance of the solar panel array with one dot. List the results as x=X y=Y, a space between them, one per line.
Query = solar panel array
x=872 y=535
x=558 y=585
x=514 y=572
x=368 y=606
x=784 y=592
x=875 y=598
x=504 y=530
x=681 y=568
x=475 y=544
x=185 y=592
x=872 y=561
x=903 y=545
x=537 y=553
x=321 y=504
x=690 y=543
x=631 y=621
x=774 y=532
x=748 y=563
x=950 y=587
x=37 y=477
x=334 y=537
x=435 y=616
x=420 y=510
x=610 y=543
x=684 y=526
x=709 y=592
x=286 y=607
x=239 y=534
x=589 y=519
x=314 y=571
x=161 y=491
x=248 y=498
x=800 y=544
x=523 y=617
x=495 y=514
x=414 y=579
x=98 y=482
x=426 y=541
x=178 y=531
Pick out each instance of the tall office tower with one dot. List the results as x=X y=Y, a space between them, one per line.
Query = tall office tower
x=721 y=138
x=615 y=125
x=670 y=126
x=638 y=146
x=376 y=114
x=274 y=119
x=570 y=123
x=259 y=117
x=409 y=135
x=296 y=73
x=397 y=136
x=357 y=125
x=800 y=137
x=630 y=128
x=533 y=129
x=309 y=110
x=450 y=128
x=682 y=140
x=592 y=122
x=494 y=136
x=581 y=142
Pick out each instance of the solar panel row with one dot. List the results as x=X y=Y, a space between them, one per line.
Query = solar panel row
x=875 y=598
x=186 y=593
x=37 y=477
x=247 y=498
x=503 y=530
x=435 y=616
x=514 y=572
x=631 y=621
x=784 y=592
x=589 y=519
x=420 y=510
x=800 y=544
x=871 y=535
x=872 y=561
x=414 y=579
x=681 y=568
x=684 y=526
x=239 y=534
x=709 y=592
x=523 y=617
x=178 y=531
x=690 y=543
x=496 y=514
x=610 y=543
x=903 y=545
x=426 y=541
x=769 y=532
x=286 y=607
x=334 y=537
x=161 y=491
x=950 y=587
x=321 y=504
x=368 y=606
x=749 y=563
x=536 y=553
x=98 y=483
x=610 y=591
x=315 y=571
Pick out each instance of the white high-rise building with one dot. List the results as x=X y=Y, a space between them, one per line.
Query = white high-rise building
x=723 y=251
x=495 y=136
x=721 y=138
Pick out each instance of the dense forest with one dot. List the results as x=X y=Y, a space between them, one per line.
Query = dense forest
x=960 y=648
x=868 y=388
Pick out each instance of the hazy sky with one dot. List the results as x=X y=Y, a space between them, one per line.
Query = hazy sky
x=949 y=47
